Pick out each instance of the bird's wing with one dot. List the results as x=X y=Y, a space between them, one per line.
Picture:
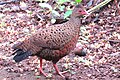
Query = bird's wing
x=53 y=37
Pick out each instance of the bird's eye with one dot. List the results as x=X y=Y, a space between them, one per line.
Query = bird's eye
x=80 y=11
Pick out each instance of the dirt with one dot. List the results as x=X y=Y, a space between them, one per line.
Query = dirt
x=100 y=35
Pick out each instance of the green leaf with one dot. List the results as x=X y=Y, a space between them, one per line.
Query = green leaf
x=61 y=8
x=72 y=72
x=2 y=24
x=23 y=5
x=62 y=1
x=46 y=5
x=78 y=1
x=67 y=13
x=2 y=15
x=55 y=13
x=29 y=12
x=38 y=77
x=42 y=0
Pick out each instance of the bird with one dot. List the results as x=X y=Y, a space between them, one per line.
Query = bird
x=51 y=43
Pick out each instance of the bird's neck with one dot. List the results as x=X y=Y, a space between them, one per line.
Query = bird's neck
x=76 y=20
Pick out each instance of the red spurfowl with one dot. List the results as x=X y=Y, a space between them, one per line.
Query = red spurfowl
x=52 y=43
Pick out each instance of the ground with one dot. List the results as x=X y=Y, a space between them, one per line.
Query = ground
x=100 y=35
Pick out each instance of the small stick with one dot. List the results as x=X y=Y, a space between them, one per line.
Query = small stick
x=99 y=6
x=8 y=2
x=115 y=1
x=116 y=41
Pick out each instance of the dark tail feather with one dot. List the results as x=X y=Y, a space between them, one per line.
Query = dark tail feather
x=21 y=55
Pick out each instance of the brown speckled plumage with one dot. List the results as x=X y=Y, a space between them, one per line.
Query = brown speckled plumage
x=56 y=41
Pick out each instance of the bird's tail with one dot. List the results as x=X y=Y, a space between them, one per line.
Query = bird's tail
x=20 y=54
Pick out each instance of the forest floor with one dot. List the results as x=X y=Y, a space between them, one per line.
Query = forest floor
x=100 y=35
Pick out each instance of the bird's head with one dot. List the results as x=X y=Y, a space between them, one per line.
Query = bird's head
x=79 y=11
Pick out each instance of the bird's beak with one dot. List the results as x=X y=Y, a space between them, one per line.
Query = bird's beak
x=84 y=13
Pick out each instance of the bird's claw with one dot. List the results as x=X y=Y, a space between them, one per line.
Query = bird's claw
x=61 y=74
x=64 y=72
x=42 y=72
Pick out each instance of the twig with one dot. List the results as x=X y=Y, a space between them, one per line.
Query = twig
x=98 y=6
x=115 y=1
x=8 y=2
x=115 y=54
x=116 y=41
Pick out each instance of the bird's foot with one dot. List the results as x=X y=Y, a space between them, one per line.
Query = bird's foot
x=58 y=72
x=61 y=74
x=64 y=72
x=42 y=72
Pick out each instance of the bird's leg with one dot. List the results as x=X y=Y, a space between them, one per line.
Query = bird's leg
x=41 y=70
x=57 y=70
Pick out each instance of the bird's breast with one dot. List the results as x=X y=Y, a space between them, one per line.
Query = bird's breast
x=55 y=55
